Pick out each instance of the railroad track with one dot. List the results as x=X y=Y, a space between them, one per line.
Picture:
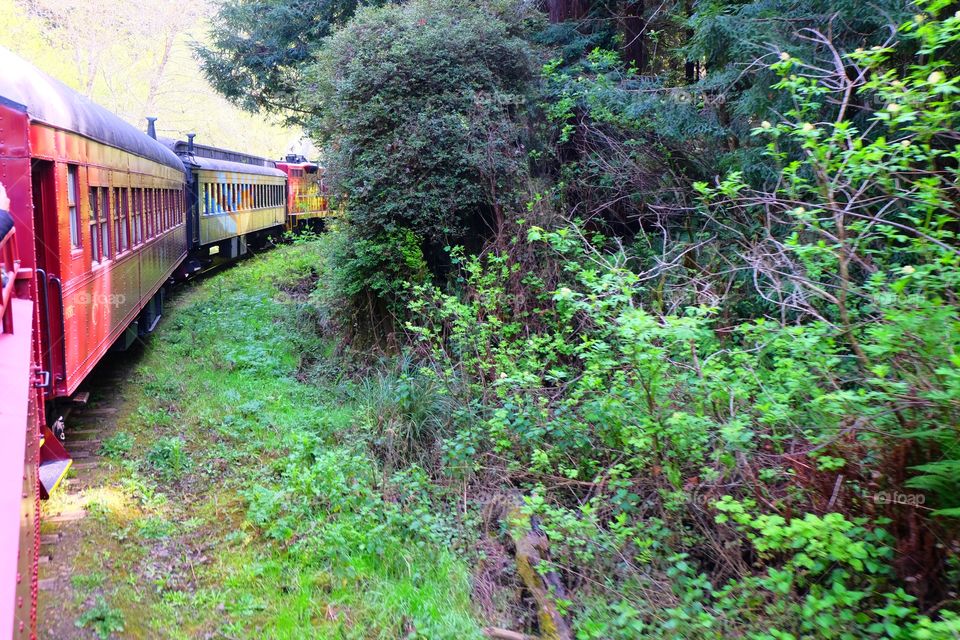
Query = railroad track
x=62 y=529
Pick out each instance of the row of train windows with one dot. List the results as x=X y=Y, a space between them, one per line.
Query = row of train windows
x=224 y=197
x=120 y=217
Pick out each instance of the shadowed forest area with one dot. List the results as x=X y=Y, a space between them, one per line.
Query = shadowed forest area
x=640 y=321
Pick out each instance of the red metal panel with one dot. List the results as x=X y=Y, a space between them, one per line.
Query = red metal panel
x=15 y=176
x=20 y=413
x=18 y=475
x=99 y=301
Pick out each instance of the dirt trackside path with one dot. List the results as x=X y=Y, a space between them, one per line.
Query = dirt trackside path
x=225 y=494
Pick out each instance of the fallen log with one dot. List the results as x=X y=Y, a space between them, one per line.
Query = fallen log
x=496 y=633
x=532 y=547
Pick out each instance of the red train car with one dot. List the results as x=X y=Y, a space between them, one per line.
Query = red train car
x=106 y=203
x=98 y=227
x=21 y=400
x=307 y=202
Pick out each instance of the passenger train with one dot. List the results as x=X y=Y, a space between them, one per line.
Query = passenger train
x=101 y=218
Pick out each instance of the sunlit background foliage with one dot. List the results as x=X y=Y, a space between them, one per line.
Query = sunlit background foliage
x=136 y=59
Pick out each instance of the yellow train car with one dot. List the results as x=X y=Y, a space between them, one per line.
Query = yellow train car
x=234 y=200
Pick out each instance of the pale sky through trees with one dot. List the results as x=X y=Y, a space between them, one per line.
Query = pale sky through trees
x=134 y=58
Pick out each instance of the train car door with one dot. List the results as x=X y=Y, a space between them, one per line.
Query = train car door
x=49 y=286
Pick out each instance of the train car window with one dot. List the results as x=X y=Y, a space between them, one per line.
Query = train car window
x=165 y=209
x=206 y=199
x=73 y=206
x=155 y=206
x=124 y=210
x=119 y=220
x=94 y=229
x=136 y=214
x=104 y=224
x=147 y=213
x=144 y=214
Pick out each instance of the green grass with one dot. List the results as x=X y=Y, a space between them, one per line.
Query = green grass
x=244 y=502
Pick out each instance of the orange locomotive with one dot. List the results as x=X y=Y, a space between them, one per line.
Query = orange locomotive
x=307 y=202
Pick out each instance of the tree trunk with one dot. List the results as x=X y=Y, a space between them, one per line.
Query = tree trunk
x=563 y=10
x=157 y=77
x=634 y=36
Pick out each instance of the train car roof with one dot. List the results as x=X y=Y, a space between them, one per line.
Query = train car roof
x=210 y=164
x=216 y=159
x=53 y=103
x=295 y=160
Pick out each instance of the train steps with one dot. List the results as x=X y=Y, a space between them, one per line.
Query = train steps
x=54 y=463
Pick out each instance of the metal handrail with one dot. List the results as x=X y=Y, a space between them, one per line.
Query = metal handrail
x=45 y=314
x=63 y=329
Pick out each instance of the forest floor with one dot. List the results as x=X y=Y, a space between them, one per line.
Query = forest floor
x=174 y=525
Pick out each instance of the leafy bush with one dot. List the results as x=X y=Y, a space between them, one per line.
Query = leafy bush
x=117 y=445
x=414 y=103
x=418 y=105
x=104 y=619
x=627 y=424
x=168 y=457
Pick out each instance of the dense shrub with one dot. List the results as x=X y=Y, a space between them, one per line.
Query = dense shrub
x=415 y=105
x=747 y=467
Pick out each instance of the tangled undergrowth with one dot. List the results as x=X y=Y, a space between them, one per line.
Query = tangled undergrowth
x=748 y=430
